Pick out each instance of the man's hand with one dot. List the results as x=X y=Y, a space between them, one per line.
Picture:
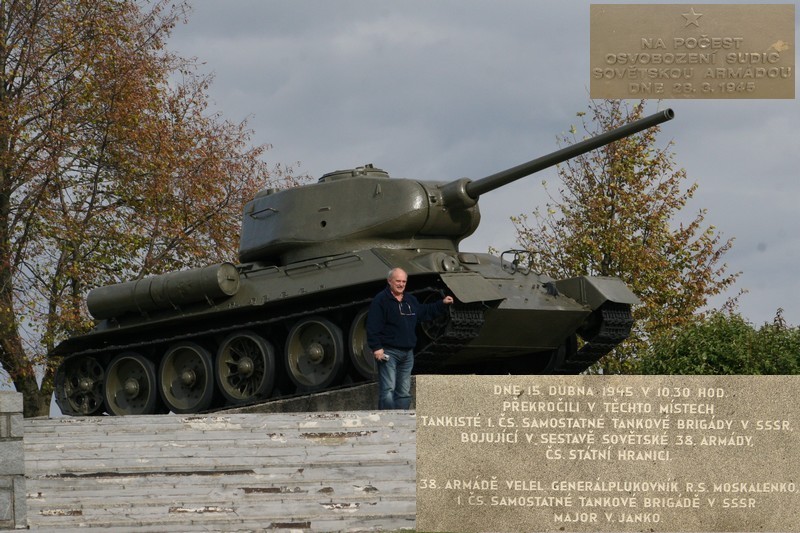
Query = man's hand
x=379 y=355
x=447 y=300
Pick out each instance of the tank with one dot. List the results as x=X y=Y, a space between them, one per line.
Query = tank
x=290 y=317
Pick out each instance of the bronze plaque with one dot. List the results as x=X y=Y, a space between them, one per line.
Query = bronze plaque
x=692 y=51
x=608 y=453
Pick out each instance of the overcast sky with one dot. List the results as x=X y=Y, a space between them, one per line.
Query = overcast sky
x=438 y=90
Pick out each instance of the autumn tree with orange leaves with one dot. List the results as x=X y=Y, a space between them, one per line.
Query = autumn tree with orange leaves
x=615 y=213
x=111 y=168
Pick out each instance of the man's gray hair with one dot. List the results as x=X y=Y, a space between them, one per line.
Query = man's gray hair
x=392 y=271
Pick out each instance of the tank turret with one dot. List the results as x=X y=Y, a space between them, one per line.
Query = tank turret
x=364 y=208
x=290 y=317
x=351 y=210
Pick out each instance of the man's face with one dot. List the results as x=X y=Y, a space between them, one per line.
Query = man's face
x=397 y=283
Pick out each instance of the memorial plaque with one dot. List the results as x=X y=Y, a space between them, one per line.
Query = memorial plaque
x=608 y=453
x=692 y=51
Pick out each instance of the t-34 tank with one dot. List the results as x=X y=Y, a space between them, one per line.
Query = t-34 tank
x=290 y=317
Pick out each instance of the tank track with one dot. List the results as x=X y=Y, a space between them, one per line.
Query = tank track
x=464 y=324
x=614 y=326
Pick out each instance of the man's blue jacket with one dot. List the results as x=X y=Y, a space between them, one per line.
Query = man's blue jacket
x=392 y=323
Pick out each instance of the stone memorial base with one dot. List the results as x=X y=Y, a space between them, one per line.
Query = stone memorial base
x=324 y=471
x=481 y=453
x=608 y=453
x=12 y=462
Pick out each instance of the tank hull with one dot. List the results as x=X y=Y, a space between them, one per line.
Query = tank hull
x=283 y=330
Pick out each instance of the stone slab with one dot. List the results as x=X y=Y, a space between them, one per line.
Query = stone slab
x=6 y=503
x=11 y=426
x=12 y=458
x=10 y=402
x=13 y=506
x=609 y=453
x=719 y=51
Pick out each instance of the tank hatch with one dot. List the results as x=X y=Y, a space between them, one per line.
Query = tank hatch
x=367 y=171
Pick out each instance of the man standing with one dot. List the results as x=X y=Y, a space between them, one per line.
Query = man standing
x=391 y=335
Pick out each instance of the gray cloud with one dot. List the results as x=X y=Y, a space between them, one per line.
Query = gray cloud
x=440 y=90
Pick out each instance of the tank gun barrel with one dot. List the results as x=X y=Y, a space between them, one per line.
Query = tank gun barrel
x=474 y=189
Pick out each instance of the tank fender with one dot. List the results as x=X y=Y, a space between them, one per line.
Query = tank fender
x=594 y=291
x=471 y=287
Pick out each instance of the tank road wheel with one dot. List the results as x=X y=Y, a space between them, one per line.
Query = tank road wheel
x=79 y=386
x=360 y=354
x=314 y=353
x=186 y=378
x=131 y=385
x=245 y=367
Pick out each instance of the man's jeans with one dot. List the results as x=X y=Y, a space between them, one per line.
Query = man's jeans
x=394 y=379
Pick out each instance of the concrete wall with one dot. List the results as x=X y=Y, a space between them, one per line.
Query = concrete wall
x=12 y=462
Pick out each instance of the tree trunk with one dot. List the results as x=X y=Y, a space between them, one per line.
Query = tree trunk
x=34 y=401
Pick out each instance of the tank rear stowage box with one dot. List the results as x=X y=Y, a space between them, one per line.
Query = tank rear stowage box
x=290 y=317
